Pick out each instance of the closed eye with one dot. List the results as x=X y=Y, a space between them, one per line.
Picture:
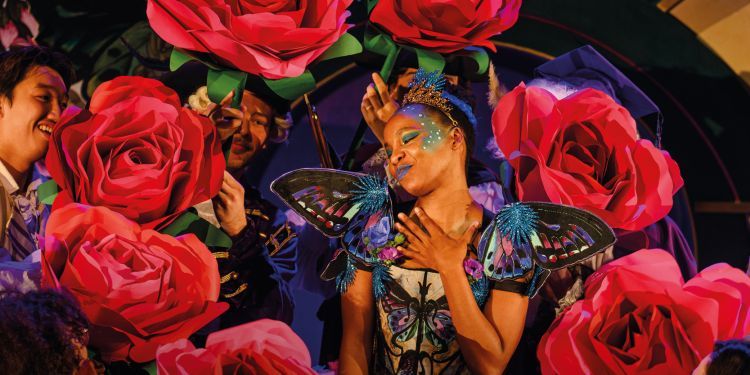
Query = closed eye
x=406 y=138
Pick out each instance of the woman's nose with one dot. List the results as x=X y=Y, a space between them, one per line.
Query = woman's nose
x=396 y=157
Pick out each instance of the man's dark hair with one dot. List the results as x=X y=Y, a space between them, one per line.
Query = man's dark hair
x=14 y=65
x=40 y=332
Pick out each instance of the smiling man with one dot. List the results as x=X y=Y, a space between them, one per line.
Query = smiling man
x=34 y=83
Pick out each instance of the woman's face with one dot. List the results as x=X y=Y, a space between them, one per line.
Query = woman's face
x=422 y=152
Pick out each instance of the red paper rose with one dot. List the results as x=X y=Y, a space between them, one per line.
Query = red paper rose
x=123 y=88
x=584 y=151
x=638 y=316
x=274 y=39
x=445 y=26
x=139 y=288
x=139 y=153
x=261 y=347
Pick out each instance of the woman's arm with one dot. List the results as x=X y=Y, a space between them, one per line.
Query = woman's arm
x=358 y=312
x=488 y=338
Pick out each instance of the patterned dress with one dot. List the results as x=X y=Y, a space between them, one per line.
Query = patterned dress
x=415 y=333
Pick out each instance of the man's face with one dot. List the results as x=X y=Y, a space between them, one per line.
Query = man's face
x=252 y=135
x=27 y=122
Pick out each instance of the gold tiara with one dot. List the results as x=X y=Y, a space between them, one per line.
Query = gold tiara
x=427 y=88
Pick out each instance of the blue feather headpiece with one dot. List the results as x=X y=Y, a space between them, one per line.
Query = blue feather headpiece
x=429 y=89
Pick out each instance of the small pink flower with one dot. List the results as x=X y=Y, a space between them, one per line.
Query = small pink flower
x=389 y=253
x=8 y=34
x=473 y=268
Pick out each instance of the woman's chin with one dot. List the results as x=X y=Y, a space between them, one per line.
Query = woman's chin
x=412 y=188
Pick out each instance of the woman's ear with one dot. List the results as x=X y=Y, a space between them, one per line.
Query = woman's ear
x=456 y=137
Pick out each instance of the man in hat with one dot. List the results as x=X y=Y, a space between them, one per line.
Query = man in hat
x=34 y=83
x=256 y=271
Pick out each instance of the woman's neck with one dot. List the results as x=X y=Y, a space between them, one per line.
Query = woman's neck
x=449 y=205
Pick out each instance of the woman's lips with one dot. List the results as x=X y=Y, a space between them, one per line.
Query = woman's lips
x=401 y=171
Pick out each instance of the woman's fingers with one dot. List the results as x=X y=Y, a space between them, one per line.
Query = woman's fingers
x=418 y=232
x=410 y=236
x=373 y=98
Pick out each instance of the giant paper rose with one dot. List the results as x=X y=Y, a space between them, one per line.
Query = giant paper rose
x=638 y=316
x=139 y=288
x=261 y=347
x=445 y=26
x=584 y=151
x=139 y=153
x=273 y=39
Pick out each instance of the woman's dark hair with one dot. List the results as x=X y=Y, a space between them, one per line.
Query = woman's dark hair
x=40 y=332
x=730 y=357
x=14 y=65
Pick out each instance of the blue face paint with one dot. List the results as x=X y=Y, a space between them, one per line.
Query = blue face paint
x=434 y=137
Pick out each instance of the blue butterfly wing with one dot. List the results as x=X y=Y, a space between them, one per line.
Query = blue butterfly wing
x=501 y=260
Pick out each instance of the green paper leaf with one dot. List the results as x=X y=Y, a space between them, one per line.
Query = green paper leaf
x=347 y=45
x=150 y=367
x=293 y=87
x=390 y=61
x=480 y=56
x=190 y=222
x=379 y=43
x=221 y=82
x=430 y=61
x=47 y=192
x=178 y=59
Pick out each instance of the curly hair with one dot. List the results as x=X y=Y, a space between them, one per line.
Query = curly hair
x=41 y=332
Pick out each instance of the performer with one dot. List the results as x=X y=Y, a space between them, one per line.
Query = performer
x=436 y=297
x=256 y=271
x=428 y=152
x=34 y=83
x=379 y=103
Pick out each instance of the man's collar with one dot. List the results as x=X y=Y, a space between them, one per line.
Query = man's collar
x=9 y=183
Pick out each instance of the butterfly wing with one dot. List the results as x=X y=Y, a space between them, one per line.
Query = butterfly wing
x=567 y=235
x=501 y=260
x=338 y=204
x=401 y=316
x=558 y=236
x=321 y=196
